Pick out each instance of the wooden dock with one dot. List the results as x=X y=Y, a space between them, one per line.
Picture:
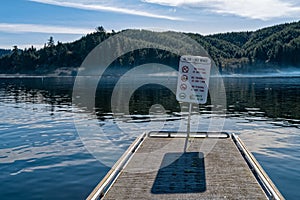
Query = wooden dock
x=165 y=165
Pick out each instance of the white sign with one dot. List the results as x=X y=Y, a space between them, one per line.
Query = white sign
x=193 y=79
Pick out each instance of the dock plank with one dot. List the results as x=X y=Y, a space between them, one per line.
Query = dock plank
x=160 y=169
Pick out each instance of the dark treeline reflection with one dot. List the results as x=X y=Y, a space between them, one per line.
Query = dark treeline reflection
x=140 y=102
x=273 y=97
x=149 y=95
x=50 y=90
x=265 y=97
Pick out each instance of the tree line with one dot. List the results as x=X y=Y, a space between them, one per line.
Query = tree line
x=232 y=52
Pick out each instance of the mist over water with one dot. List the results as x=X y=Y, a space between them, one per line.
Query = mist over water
x=268 y=72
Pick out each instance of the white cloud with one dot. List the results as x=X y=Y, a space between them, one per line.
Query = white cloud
x=36 y=28
x=174 y=2
x=100 y=6
x=254 y=9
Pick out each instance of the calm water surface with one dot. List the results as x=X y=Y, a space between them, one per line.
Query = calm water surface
x=43 y=157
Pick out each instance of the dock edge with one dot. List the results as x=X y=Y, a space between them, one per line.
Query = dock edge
x=261 y=176
x=263 y=179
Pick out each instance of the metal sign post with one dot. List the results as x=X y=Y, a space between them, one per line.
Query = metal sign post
x=192 y=84
x=189 y=121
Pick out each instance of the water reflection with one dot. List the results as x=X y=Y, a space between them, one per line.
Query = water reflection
x=37 y=129
x=272 y=97
x=260 y=97
x=54 y=92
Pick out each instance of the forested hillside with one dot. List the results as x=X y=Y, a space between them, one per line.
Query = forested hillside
x=4 y=52
x=232 y=52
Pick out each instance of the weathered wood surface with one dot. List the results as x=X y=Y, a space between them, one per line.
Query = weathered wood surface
x=153 y=174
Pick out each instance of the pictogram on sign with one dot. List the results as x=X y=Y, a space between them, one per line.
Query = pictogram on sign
x=183 y=86
x=184 y=78
x=193 y=79
x=185 y=69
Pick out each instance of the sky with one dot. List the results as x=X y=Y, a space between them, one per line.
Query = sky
x=32 y=22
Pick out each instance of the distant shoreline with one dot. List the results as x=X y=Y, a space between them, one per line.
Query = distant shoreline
x=269 y=49
x=249 y=75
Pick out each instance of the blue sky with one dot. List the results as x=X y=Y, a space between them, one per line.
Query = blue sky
x=32 y=22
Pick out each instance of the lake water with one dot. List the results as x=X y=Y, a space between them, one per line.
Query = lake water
x=46 y=145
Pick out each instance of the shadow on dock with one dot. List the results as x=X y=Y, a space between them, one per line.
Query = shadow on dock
x=156 y=167
x=180 y=173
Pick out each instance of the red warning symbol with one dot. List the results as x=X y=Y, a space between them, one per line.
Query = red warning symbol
x=183 y=86
x=185 y=69
x=184 y=78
